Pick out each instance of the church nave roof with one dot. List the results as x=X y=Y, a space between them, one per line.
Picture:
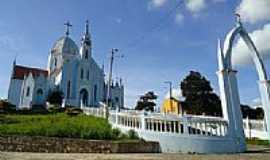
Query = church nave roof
x=20 y=71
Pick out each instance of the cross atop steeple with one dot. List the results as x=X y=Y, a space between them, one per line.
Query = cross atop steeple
x=86 y=35
x=68 y=25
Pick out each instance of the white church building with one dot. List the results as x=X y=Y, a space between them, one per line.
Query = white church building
x=72 y=70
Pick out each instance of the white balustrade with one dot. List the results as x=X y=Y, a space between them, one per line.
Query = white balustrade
x=192 y=125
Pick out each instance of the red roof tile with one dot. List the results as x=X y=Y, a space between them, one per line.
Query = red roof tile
x=20 y=71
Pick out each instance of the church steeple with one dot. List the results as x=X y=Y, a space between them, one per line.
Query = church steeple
x=86 y=37
x=86 y=45
x=87 y=27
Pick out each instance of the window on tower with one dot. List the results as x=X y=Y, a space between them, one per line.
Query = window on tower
x=81 y=73
x=88 y=75
x=95 y=93
x=68 y=89
x=86 y=54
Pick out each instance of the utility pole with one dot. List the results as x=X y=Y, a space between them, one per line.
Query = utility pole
x=170 y=86
x=109 y=82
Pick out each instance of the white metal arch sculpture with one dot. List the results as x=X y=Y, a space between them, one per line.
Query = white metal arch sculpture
x=228 y=83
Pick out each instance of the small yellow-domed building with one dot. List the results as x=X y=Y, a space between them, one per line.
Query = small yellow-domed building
x=172 y=104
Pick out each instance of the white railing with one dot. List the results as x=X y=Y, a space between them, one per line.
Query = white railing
x=175 y=133
x=255 y=128
x=156 y=122
x=259 y=125
x=98 y=112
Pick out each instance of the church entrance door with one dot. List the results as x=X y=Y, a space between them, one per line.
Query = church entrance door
x=84 y=97
x=39 y=99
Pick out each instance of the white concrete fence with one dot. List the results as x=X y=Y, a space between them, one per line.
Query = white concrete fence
x=255 y=129
x=188 y=134
x=155 y=122
x=170 y=124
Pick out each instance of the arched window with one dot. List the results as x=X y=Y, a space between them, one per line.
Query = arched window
x=55 y=62
x=68 y=89
x=86 y=54
x=116 y=99
x=28 y=91
x=39 y=92
x=88 y=75
x=81 y=73
x=95 y=93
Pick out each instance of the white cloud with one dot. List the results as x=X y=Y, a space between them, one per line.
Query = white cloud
x=156 y=3
x=195 y=6
x=254 y=10
x=261 y=38
x=179 y=18
x=118 y=20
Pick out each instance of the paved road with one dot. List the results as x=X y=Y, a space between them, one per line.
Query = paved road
x=254 y=153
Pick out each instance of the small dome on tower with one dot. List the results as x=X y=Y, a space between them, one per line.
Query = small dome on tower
x=65 y=45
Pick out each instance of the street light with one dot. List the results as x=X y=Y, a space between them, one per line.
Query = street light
x=170 y=93
x=113 y=51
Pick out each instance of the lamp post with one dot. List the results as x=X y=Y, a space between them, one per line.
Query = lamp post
x=113 y=51
x=170 y=93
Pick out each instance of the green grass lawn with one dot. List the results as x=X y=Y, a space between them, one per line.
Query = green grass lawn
x=59 y=125
x=258 y=142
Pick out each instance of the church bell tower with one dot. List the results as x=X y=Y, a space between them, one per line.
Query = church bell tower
x=86 y=44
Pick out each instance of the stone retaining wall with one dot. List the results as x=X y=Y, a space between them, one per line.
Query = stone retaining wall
x=70 y=145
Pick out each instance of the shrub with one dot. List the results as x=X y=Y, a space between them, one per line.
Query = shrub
x=54 y=109
x=55 y=97
x=132 y=134
x=73 y=111
x=116 y=133
x=6 y=106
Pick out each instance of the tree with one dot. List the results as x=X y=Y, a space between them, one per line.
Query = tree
x=199 y=95
x=146 y=102
x=251 y=113
x=55 y=97
x=259 y=113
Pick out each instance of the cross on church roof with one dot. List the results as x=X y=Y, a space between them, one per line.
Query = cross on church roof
x=67 y=24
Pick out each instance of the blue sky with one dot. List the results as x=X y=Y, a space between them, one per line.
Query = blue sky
x=186 y=41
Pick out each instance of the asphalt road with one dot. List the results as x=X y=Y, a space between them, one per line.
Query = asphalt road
x=253 y=153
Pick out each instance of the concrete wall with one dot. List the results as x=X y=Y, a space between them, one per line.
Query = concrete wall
x=68 y=145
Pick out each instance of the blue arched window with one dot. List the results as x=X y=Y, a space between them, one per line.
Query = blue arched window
x=86 y=54
x=68 y=89
x=28 y=91
x=55 y=62
x=95 y=93
x=88 y=75
x=81 y=73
